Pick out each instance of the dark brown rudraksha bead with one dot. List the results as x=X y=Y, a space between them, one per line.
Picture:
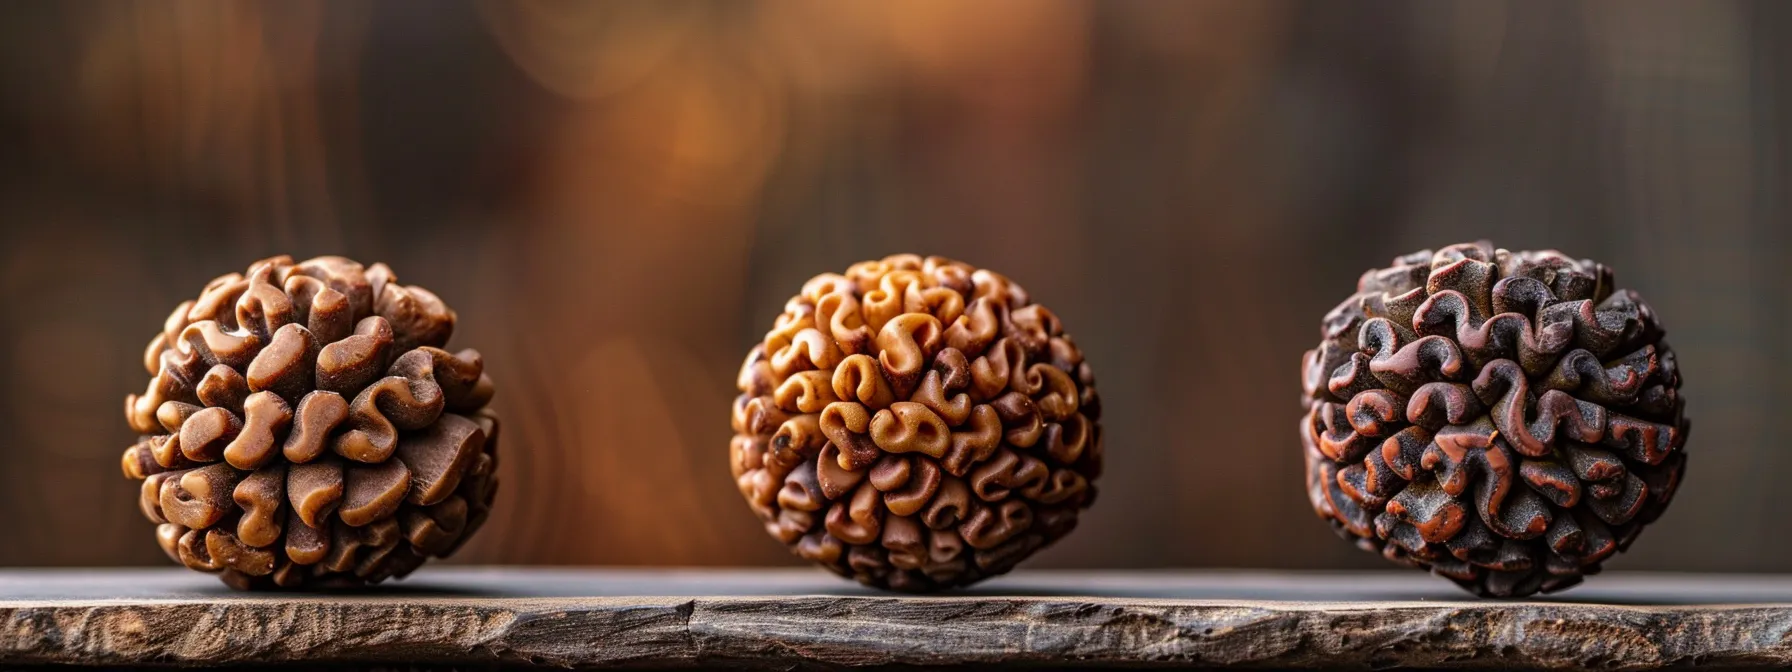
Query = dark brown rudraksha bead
x=916 y=424
x=1507 y=420
x=304 y=427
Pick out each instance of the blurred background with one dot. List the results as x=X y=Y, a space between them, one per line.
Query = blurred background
x=618 y=197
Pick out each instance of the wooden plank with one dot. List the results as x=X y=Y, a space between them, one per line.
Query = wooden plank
x=785 y=618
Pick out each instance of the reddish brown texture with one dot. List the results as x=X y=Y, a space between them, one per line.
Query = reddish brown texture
x=304 y=426
x=1507 y=420
x=916 y=424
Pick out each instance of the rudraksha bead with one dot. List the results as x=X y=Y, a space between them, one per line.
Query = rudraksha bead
x=916 y=424
x=304 y=426
x=1507 y=420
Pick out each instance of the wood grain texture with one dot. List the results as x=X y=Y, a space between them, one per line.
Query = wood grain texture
x=783 y=619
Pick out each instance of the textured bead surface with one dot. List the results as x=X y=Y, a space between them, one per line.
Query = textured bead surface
x=303 y=426
x=1507 y=420
x=916 y=424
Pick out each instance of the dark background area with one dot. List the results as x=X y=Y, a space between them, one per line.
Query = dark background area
x=618 y=197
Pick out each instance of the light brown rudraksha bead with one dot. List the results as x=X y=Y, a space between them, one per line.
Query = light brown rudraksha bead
x=304 y=426
x=916 y=424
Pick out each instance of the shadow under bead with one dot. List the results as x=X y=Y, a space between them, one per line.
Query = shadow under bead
x=303 y=426
x=916 y=424
x=1506 y=420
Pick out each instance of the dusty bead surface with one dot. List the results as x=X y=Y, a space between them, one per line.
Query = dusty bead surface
x=916 y=424
x=1506 y=420
x=304 y=426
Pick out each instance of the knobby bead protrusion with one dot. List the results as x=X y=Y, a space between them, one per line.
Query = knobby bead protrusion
x=303 y=425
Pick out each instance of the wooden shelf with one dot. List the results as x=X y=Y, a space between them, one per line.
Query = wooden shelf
x=778 y=618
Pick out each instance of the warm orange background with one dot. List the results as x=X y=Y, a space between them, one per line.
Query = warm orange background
x=618 y=197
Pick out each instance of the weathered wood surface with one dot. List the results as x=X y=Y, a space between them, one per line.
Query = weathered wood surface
x=801 y=618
